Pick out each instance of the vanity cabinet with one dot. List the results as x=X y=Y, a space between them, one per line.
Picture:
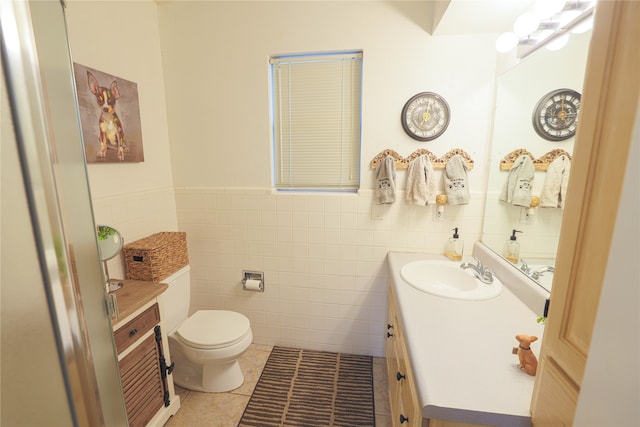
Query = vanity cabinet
x=130 y=332
x=405 y=408
x=140 y=369
x=143 y=355
x=142 y=383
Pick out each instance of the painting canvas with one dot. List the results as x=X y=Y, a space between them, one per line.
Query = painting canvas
x=109 y=116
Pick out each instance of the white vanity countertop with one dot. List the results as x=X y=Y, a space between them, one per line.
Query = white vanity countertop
x=461 y=351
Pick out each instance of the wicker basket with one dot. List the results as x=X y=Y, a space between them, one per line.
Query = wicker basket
x=157 y=256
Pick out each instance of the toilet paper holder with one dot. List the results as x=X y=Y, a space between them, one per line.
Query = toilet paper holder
x=253 y=276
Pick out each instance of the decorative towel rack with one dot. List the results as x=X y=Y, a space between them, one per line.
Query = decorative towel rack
x=438 y=162
x=540 y=164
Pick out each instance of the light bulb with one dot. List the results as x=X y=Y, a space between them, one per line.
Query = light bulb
x=526 y=24
x=558 y=43
x=505 y=42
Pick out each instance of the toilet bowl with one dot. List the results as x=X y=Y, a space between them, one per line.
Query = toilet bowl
x=205 y=346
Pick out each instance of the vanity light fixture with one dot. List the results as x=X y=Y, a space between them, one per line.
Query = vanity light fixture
x=558 y=43
x=506 y=42
x=583 y=26
x=548 y=25
x=526 y=24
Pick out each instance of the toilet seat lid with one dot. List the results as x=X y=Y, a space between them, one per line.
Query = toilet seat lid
x=209 y=329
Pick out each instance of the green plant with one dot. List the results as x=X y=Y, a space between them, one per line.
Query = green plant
x=104 y=232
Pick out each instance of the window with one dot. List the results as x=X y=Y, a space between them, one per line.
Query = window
x=316 y=107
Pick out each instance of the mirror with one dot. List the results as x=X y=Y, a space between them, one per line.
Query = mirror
x=109 y=245
x=518 y=91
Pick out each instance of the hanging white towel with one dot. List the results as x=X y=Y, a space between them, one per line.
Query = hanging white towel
x=421 y=186
x=386 y=181
x=456 y=183
x=517 y=189
x=554 y=190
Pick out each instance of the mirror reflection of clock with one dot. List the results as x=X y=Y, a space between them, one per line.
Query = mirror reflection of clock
x=555 y=117
x=425 y=116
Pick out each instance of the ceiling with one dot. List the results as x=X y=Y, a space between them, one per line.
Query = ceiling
x=478 y=16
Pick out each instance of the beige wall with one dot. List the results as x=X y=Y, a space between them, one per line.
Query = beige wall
x=322 y=255
x=122 y=38
x=203 y=80
x=215 y=57
x=139 y=198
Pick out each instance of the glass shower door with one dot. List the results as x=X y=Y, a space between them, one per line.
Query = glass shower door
x=48 y=145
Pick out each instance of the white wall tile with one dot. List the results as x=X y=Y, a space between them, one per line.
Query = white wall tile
x=332 y=204
x=324 y=260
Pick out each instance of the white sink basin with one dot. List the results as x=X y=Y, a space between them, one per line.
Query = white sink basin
x=447 y=279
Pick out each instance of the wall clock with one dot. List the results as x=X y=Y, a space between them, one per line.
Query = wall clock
x=555 y=117
x=425 y=116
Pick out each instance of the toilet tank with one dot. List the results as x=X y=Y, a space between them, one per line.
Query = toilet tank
x=175 y=300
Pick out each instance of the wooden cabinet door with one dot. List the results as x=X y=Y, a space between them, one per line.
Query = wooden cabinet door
x=391 y=353
x=607 y=117
x=142 y=383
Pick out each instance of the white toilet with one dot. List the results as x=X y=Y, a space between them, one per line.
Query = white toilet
x=204 y=347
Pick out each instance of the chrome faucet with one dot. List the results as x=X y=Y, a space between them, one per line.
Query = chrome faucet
x=484 y=274
x=536 y=274
x=525 y=267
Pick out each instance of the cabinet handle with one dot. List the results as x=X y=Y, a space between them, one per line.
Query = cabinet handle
x=389 y=334
x=403 y=419
x=389 y=326
x=133 y=332
x=400 y=376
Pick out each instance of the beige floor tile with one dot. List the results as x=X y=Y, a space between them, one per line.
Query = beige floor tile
x=225 y=409
x=209 y=410
x=383 y=421
x=251 y=363
x=181 y=392
x=381 y=386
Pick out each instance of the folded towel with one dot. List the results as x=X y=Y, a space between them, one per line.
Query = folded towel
x=554 y=190
x=517 y=189
x=386 y=181
x=455 y=181
x=421 y=186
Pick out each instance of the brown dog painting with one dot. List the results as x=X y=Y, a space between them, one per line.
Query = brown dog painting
x=110 y=116
x=111 y=132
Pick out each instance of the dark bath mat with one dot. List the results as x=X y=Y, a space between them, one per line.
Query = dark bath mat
x=312 y=389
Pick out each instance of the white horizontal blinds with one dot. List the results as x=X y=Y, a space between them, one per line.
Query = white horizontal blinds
x=317 y=121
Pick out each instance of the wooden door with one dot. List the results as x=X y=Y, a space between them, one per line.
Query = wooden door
x=609 y=103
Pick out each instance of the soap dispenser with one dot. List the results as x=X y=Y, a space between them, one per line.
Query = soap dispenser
x=512 y=248
x=455 y=246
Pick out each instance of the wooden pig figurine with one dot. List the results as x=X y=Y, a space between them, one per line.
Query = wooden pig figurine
x=528 y=361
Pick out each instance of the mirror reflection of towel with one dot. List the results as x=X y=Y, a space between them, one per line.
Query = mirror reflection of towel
x=456 y=184
x=554 y=190
x=517 y=189
x=421 y=187
x=386 y=181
